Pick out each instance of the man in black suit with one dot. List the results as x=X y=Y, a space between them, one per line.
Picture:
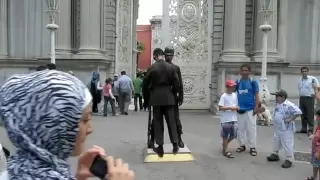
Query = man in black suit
x=169 y=53
x=161 y=79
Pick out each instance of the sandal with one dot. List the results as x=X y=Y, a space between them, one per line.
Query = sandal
x=253 y=152
x=241 y=149
x=228 y=154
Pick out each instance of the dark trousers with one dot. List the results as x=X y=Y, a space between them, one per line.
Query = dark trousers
x=124 y=101
x=158 y=124
x=177 y=119
x=95 y=106
x=135 y=99
x=306 y=105
x=108 y=99
x=117 y=98
x=145 y=104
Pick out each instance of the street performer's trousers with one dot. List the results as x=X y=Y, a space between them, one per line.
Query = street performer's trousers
x=177 y=118
x=168 y=113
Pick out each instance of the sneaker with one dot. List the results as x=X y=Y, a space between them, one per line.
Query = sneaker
x=273 y=158
x=286 y=164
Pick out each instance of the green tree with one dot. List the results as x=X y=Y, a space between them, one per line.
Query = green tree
x=140 y=49
x=140 y=46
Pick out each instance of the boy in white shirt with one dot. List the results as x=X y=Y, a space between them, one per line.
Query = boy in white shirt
x=228 y=106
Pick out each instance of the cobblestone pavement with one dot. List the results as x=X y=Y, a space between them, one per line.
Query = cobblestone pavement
x=125 y=137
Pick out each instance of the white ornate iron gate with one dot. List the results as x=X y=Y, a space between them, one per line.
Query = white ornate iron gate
x=187 y=26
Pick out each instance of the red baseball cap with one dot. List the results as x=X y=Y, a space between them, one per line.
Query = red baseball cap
x=230 y=83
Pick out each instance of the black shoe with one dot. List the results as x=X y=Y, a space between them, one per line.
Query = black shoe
x=286 y=164
x=126 y=113
x=180 y=143
x=273 y=158
x=175 y=148
x=302 y=131
x=159 y=150
x=150 y=144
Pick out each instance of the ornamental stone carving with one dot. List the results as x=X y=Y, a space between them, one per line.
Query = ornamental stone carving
x=189 y=12
x=188 y=85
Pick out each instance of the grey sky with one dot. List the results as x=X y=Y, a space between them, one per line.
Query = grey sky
x=147 y=9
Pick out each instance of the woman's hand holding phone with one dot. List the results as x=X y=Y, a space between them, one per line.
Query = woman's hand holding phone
x=85 y=161
x=117 y=170
x=90 y=165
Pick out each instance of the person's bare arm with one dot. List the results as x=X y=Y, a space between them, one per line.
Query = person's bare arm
x=111 y=95
x=257 y=97
x=99 y=87
x=222 y=106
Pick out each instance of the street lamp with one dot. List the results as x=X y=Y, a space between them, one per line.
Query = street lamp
x=266 y=9
x=53 y=6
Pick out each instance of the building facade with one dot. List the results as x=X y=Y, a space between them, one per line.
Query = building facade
x=144 y=36
x=92 y=35
x=213 y=38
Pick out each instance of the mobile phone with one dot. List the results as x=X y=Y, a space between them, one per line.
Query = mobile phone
x=99 y=167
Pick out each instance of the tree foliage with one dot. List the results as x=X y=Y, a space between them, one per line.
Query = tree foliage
x=140 y=46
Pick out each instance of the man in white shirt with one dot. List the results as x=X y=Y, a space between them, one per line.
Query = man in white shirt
x=307 y=87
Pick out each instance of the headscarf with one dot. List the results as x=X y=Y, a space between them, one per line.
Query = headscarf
x=95 y=78
x=41 y=112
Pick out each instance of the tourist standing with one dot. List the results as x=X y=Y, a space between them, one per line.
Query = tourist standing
x=125 y=88
x=228 y=107
x=307 y=87
x=247 y=90
x=285 y=113
x=137 y=85
x=108 y=98
x=95 y=89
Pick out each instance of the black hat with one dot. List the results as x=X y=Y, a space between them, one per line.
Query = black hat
x=158 y=52
x=169 y=51
x=281 y=93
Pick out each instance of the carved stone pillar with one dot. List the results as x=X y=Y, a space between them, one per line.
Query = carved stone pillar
x=272 y=35
x=234 y=31
x=283 y=29
x=3 y=29
x=315 y=33
x=64 y=32
x=90 y=40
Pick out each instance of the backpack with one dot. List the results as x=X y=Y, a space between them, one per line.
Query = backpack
x=236 y=90
x=237 y=84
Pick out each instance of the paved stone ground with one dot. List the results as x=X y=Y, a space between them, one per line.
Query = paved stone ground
x=125 y=137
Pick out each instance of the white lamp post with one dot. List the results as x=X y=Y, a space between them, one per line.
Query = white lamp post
x=266 y=9
x=53 y=6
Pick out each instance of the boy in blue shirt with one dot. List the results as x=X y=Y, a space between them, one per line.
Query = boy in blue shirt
x=248 y=99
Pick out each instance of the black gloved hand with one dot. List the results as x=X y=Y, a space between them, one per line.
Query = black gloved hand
x=180 y=100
